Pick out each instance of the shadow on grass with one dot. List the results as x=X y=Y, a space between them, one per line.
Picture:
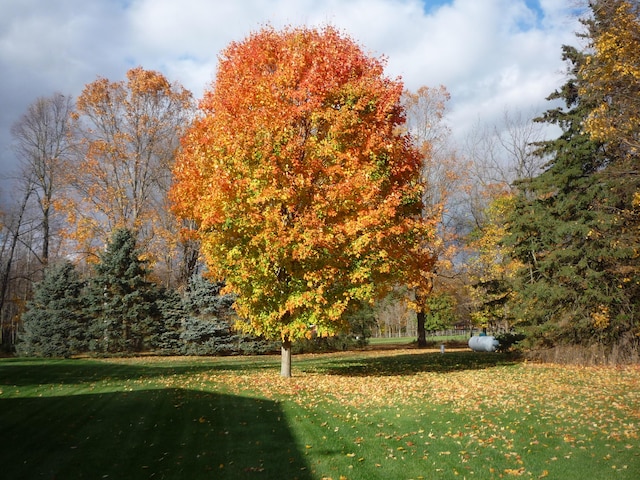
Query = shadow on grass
x=170 y=434
x=408 y=364
x=32 y=371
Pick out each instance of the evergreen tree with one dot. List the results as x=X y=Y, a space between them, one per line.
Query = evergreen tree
x=55 y=324
x=173 y=312
x=203 y=297
x=208 y=328
x=362 y=321
x=126 y=316
x=441 y=312
x=577 y=285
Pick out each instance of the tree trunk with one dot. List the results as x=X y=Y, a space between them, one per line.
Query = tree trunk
x=422 y=334
x=6 y=274
x=46 y=232
x=285 y=366
x=421 y=316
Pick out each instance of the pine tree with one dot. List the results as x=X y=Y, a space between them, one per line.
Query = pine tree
x=204 y=296
x=126 y=316
x=173 y=313
x=566 y=229
x=207 y=328
x=55 y=323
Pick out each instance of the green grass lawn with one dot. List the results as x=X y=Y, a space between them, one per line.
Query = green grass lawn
x=391 y=340
x=432 y=339
x=403 y=414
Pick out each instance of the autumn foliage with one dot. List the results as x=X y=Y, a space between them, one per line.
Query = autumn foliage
x=306 y=196
x=612 y=73
x=125 y=135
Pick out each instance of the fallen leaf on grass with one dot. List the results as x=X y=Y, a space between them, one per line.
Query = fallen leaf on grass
x=515 y=472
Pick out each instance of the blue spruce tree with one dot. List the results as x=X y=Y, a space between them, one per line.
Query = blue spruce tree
x=126 y=318
x=55 y=323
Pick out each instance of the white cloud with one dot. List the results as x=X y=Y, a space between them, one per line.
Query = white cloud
x=490 y=54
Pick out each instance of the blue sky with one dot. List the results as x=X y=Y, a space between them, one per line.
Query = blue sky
x=492 y=55
x=431 y=5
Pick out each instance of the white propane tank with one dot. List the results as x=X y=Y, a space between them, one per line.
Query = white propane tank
x=483 y=344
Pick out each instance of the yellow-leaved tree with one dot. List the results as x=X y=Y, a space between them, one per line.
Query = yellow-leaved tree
x=126 y=135
x=492 y=268
x=611 y=73
x=442 y=177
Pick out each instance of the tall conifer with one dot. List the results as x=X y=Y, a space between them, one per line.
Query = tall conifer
x=54 y=324
x=570 y=230
x=126 y=317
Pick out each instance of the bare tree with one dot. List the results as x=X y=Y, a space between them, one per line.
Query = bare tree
x=41 y=143
x=499 y=155
x=14 y=226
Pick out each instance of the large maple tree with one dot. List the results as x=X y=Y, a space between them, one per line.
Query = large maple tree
x=306 y=193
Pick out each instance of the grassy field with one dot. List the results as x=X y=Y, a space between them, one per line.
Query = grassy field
x=393 y=414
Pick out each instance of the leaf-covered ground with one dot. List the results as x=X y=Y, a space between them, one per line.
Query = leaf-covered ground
x=401 y=414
